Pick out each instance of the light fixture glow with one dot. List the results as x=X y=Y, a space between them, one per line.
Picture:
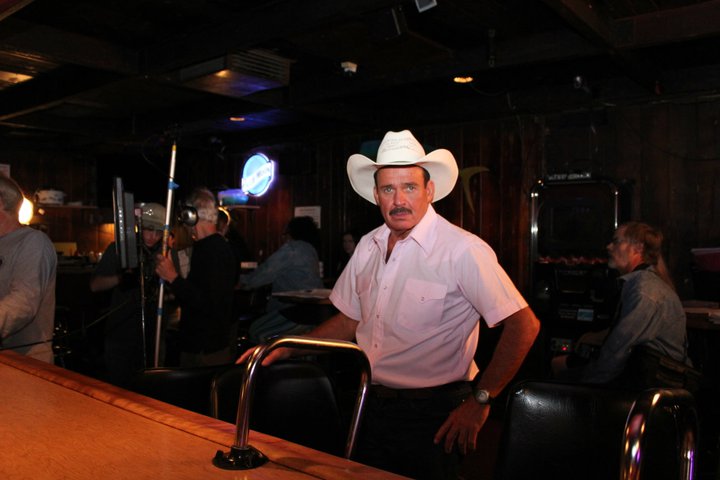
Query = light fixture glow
x=237 y=119
x=26 y=212
x=466 y=79
x=13 y=78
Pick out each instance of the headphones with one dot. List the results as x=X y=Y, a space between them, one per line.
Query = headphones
x=188 y=215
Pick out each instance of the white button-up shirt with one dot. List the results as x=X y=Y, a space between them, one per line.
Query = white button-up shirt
x=418 y=312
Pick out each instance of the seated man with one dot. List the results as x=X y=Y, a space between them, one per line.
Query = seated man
x=649 y=314
x=294 y=266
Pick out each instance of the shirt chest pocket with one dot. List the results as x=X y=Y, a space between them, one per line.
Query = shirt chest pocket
x=421 y=305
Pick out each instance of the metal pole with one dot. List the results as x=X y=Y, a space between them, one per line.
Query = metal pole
x=243 y=456
x=166 y=235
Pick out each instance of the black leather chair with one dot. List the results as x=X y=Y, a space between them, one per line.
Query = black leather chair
x=293 y=400
x=556 y=430
x=188 y=388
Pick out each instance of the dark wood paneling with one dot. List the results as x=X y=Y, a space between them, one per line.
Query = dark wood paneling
x=669 y=152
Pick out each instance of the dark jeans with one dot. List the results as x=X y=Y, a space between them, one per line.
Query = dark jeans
x=397 y=434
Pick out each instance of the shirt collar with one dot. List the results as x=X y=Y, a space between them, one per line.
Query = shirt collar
x=637 y=271
x=424 y=233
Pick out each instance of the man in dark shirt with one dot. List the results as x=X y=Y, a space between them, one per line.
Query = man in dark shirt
x=207 y=329
x=130 y=330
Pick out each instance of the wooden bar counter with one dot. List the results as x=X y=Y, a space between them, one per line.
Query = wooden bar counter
x=58 y=424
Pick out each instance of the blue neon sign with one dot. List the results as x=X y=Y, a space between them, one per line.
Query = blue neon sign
x=258 y=174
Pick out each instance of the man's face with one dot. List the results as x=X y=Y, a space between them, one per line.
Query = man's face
x=403 y=197
x=623 y=255
x=151 y=237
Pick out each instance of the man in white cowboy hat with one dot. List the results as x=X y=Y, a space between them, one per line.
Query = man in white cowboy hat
x=411 y=296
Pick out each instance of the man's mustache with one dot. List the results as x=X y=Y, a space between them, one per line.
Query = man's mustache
x=397 y=210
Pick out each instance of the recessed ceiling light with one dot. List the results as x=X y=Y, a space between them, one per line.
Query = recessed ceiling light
x=13 y=78
x=466 y=79
x=237 y=119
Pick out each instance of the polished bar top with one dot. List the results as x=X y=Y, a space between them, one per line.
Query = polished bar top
x=56 y=423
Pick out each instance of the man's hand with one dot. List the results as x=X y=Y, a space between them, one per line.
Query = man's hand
x=165 y=268
x=462 y=426
x=272 y=357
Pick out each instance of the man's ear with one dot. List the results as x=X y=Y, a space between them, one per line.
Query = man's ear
x=430 y=190
x=637 y=248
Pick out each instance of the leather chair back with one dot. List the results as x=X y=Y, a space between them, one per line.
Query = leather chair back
x=556 y=430
x=188 y=388
x=293 y=400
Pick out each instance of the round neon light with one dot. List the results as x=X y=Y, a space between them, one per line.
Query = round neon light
x=257 y=175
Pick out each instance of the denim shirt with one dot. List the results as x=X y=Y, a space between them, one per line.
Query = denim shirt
x=650 y=314
x=294 y=266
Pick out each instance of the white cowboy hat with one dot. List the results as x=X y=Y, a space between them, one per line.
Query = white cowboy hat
x=399 y=149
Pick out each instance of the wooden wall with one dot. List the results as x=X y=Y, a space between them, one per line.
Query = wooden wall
x=668 y=152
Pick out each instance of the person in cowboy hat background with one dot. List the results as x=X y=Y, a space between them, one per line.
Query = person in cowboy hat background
x=411 y=296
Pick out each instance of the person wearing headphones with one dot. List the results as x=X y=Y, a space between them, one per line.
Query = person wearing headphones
x=129 y=341
x=207 y=329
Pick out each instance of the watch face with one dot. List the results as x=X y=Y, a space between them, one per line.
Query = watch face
x=482 y=396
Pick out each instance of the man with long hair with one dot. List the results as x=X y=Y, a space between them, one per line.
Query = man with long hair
x=649 y=314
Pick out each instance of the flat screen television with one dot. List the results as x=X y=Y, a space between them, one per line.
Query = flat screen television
x=124 y=216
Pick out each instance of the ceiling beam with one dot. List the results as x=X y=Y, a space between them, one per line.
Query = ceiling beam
x=50 y=90
x=598 y=28
x=280 y=20
x=8 y=7
x=535 y=49
x=668 y=26
x=66 y=47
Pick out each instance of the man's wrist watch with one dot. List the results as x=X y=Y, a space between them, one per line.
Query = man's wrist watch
x=482 y=396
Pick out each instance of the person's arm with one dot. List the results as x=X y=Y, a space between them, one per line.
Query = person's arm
x=463 y=424
x=107 y=274
x=633 y=326
x=337 y=327
x=28 y=282
x=165 y=268
x=100 y=283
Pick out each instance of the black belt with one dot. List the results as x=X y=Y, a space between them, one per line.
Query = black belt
x=449 y=389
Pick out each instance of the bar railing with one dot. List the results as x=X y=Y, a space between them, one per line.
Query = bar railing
x=644 y=410
x=243 y=456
